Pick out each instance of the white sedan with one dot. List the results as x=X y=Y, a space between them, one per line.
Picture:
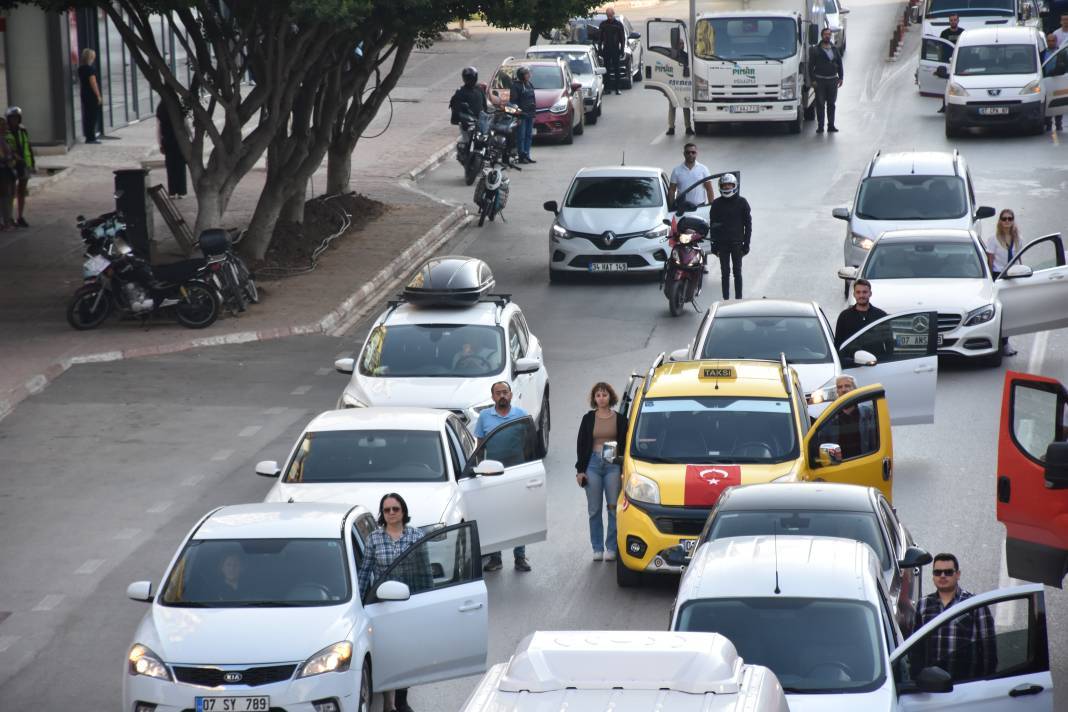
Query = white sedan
x=946 y=270
x=261 y=609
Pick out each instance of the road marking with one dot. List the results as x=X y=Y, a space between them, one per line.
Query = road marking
x=222 y=455
x=89 y=567
x=661 y=138
x=127 y=533
x=323 y=371
x=1038 y=352
x=277 y=410
x=49 y=602
x=192 y=480
x=249 y=431
x=158 y=508
x=6 y=641
x=300 y=390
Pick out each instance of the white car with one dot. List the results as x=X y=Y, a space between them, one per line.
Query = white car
x=816 y=612
x=427 y=456
x=586 y=69
x=947 y=271
x=772 y=328
x=836 y=13
x=261 y=609
x=444 y=343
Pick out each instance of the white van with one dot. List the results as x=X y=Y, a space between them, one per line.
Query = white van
x=996 y=78
x=627 y=671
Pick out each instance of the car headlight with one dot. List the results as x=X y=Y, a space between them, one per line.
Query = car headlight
x=979 y=316
x=860 y=241
x=332 y=658
x=788 y=89
x=955 y=89
x=560 y=233
x=143 y=661
x=560 y=106
x=642 y=489
x=658 y=233
x=825 y=393
x=1034 y=87
x=348 y=400
x=701 y=89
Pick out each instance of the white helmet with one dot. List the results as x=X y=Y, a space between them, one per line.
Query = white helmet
x=494 y=178
x=728 y=179
x=13 y=111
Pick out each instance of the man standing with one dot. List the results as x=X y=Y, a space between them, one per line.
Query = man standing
x=1051 y=49
x=734 y=227
x=613 y=38
x=522 y=95
x=488 y=420
x=1061 y=33
x=686 y=174
x=825 y=62
x=965 y=646
x=951 y=34
x=679 y=54
x=854 y=429
x=856 y=317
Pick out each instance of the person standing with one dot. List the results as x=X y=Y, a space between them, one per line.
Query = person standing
x=613 y=39
x=90 y=92
x=601 y=479
x=7 y=180
x=825 y=62
x=856 y=317
x=965 y=647
x=686 y=174
x=1051 y=49
x=166 y=132
x=855 y=428
x=1001 y=247
x=522 y=95
x=489 y=420
x=1061 y=33
x=731 y=215
x=679 y=54
x=18 y=139
x=951 y=34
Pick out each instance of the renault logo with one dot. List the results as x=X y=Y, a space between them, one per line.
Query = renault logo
x=232 y=677
x=920 y=323
x=993 y=92
x=609 y=237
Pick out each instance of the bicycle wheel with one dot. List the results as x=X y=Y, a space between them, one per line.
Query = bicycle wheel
x=245 y=279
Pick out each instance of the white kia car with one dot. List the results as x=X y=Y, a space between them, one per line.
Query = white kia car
x=428 y=457
x=262 y=609
x=586 y=69
x=947 y=271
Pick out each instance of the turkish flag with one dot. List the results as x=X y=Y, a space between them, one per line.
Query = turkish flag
x=704 y=483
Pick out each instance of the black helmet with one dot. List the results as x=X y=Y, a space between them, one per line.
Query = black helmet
x=469 y=75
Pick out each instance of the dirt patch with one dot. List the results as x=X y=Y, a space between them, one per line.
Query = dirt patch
x=293 y=245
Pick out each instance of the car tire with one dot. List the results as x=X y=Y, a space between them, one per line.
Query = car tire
x=625 y=578
x=952 y=131
x=638 y=74
x=556 y=276
x=581 y=128
x=544 y=423
x=1039 y=127
x=795 y=126
x=569 y=137
x=598 y=109
x=810 y=109
x=628 y=83
x=365 y=699
x=591 y=117
x=994 y=360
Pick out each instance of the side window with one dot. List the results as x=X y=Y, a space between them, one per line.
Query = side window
x=524 y=328
x=517 y=342
x=1043 y=253
x=890 y=522
x=854 y=428
x=1038 y=419
x=514 y=443
x=437 y=561
x=456 y=450
x=361 y=530
x=372 y=352
x=936 y=50
x=1057 y=65
x=802 y=410
x=896 y=339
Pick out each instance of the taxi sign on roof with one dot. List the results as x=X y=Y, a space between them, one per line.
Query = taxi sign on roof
x=717 y=372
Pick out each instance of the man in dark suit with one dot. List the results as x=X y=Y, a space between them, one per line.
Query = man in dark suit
x=825 y=63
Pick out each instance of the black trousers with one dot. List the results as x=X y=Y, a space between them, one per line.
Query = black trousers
x=175 y=162
x=730 y=256
x=90 y=109
x=826 y=96
x=613 y=70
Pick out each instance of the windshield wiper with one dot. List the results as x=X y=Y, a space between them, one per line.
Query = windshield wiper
x=720 y=59
x=272 y=604
x=763 y=56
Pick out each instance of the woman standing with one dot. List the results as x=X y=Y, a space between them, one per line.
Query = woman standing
x=91 y=100
x=172 y=154
x=7 y=180
x=1000 y=249
x=384 y=546
x=601 y=479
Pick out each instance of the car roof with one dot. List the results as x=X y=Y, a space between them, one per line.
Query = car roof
x=618 y=171
x=276 y=520
x=931 y=234
x=765 y=307
x=583 y=48
x=998 y=35
x=753 y=378
x=812 y=496
x=479 y=313
x=798 y=566
x=923 y=163
x=528 y=62
x=378 y=418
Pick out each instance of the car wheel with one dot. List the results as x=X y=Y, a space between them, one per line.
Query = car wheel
x=544 y=423
x=952 y=131
x=628 y=83
x=591 y=117
x=1039 y=126
x=366 y=692
x=638 y=74
x=598 y=110
x=556 y=276
x=581 y=128
x=625 y=578
x=795 y=126
x=994 y=360
x=569 y=137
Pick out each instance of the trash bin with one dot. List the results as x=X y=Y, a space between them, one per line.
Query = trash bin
x=131 y=191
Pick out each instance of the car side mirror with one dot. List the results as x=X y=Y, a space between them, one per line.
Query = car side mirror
x=984 y=211
x=934 y=679
x=268 y=468
x=1057 y=466
x=666 y=221
x=840 y=213
x=140 y=591
x=848 y=272
x=551 y=206
x=679 y=355
x=941 y=71
x=345 y=365
x=635 y=36
x=526 y=365
x=843 y=10
x=914 y=557
x=600 y=71
x=608 y=451
x=830 y=454
x=864 y=358
x=489 y=468
x=392 y=591
x=1018 y=271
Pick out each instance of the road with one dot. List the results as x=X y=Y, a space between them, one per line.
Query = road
x=107 y=469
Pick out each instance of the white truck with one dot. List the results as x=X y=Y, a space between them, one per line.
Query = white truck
x=749 y=60
x=627 y=671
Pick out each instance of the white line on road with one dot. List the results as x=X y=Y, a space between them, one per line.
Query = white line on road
x=323 y=371
x=6 y=641
x=249 y=431
x=300 y=390
x=277 y=410
x=192 y=480
x=127 y=533
x=661 y=138
x=159 y=508
x=89 y=567
x=222 y=455
x=49 y=602
x=1038 y=352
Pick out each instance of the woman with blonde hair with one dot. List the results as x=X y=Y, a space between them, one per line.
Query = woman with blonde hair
x=91 y=99
x=1001 y=247
x=602 y=480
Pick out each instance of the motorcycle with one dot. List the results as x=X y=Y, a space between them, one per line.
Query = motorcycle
x=685 y=269
x=491 y=192
x=472 y=144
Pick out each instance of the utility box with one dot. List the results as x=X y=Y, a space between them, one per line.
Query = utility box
x=131 y=191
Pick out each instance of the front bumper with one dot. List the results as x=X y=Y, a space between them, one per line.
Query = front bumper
x=577 y=254
x=968 y=341
x=651 y=537
x=1018 y=113
x=550 y=125
x=741 y=110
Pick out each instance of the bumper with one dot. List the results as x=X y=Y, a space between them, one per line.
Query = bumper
x=550 y=125
x=577 y=254
x=972 y=341
x=961 y=115
x=290 y=695
x=745 y=112
x=853 y=255
x=650 y=537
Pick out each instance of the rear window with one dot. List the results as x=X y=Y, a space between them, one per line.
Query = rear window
x=541 y=76
x=615 y=192
x=987 y=60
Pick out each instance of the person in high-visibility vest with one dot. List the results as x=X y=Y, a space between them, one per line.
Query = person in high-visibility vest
x=18 y=139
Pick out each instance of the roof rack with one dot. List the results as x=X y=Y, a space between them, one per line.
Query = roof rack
x=649 y=376
x=784 y=372
x=871 y=164
x=956 y=162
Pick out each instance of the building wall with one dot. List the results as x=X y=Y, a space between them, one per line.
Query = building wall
x=35 y=51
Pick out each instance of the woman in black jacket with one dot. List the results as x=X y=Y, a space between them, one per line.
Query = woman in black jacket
x=601 y=479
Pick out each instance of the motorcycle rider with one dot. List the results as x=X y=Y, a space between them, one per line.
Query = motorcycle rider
x=733 y=221
x=468 y=99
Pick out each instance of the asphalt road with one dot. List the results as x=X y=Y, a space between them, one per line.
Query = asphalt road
x=107 y=469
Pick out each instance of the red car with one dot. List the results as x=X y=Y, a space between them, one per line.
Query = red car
x=560 y=114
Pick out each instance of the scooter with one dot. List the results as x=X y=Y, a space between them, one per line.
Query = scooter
x=685 y=269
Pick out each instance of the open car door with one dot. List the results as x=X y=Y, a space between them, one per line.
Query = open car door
x=1033 y=288
x=935 y=52
x=503 y=486
x=1055 y=81
x=410 y=599
x=905 y=348
x=1005 y=668
x=667 y=60
x=1032 y=489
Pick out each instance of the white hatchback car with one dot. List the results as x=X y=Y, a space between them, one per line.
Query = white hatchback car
x=586 y=69
x=262 y=609
x=427 y=456
x=947 y=271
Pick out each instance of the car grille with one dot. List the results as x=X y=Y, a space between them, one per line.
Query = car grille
x=675 y=525
x=748 y=99
x=584 y=261
x=947 y=321
x=1009 y=102
x=603 y=244
x=252 y=677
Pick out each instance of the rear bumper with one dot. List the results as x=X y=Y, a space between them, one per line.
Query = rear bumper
x=1030 y=561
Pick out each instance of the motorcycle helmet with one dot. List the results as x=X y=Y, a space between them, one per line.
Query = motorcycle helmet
x=522 y=72
x=469 y=75
x=728 y=185
x=13 y=111
x=692 y=223
x=494 y=179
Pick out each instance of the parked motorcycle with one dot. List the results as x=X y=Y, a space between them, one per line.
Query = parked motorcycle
x=235 y=284
x=685 y=269
x=472 y=145
x=491 y=192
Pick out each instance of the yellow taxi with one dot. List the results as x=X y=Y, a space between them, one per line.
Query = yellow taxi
x=698 y=427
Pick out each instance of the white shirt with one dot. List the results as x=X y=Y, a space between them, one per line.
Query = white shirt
x=1062 y=37
x=683 y=177
x=999 y=253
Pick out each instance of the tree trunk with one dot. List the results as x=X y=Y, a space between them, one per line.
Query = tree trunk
x=338 y=171
x=261 y=227
x=210 y=207
x=293 y=209
x=535 y=32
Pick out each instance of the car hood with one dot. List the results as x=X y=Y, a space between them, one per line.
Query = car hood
x=547 y=97
x=873 y=228
x=1007 y=82
x=621 y=221
x=814 y=375
x=947 y=295
x=427 y=501
x=449 y=393
x=881 y=699
x=243 y=636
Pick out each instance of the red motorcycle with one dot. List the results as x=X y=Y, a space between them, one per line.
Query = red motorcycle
x=684 y=272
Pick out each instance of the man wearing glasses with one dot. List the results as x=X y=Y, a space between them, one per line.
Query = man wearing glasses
x=686 y=174
x=964 y=646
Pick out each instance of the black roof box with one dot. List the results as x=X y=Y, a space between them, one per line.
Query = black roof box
x=449 y=281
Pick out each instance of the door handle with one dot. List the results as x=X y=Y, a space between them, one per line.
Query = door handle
x=475 y=605
x=534 y=484
x=1025 y=689
x=923 y=369
x=1056 y=276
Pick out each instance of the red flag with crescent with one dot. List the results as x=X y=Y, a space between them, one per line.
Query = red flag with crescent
x=704 y=483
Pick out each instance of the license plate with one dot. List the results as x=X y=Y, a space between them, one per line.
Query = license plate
x=745 y=109
x=911 y=339
x=688 y=545
x=608 y=267
x=258 y=703
x=939 y=340
x=993 y=110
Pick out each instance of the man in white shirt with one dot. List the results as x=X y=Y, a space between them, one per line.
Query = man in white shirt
x=1061 y=33
x=686 y=174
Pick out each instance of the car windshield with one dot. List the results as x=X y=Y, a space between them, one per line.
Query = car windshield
x=812 y=645
x=923 y=260
x=830 y=7
x=801 y=338
x=368 y=456
x=615 y=192
x=585 y=30
x=970 y=8
x=986 y=60
x=911 y=197
x=746 y=38
x=234 y=573
x=578 y=62
x=858 y=526
x=546 y=77
x=714 y=429
x=433 y=350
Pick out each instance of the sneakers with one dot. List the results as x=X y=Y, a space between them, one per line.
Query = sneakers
x=522 y=563
x=609 y=555
x=21 y=222
x=670 y=131
x=598 y=556
x=494 y=564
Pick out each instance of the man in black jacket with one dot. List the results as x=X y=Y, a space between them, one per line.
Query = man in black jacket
x=469 y=98
x=522 y=95
x=858 y=316
x=613 y=38
x=732 y=223
x=825 y=64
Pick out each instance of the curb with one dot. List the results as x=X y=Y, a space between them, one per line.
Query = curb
x=431 y=163
x=39 y=184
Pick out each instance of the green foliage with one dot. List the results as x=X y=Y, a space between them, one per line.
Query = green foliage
x=541 y=15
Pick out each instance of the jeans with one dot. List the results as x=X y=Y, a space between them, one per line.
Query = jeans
x=603 y=480
x=826 y=96
x=730 y=255
x=525 y=136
